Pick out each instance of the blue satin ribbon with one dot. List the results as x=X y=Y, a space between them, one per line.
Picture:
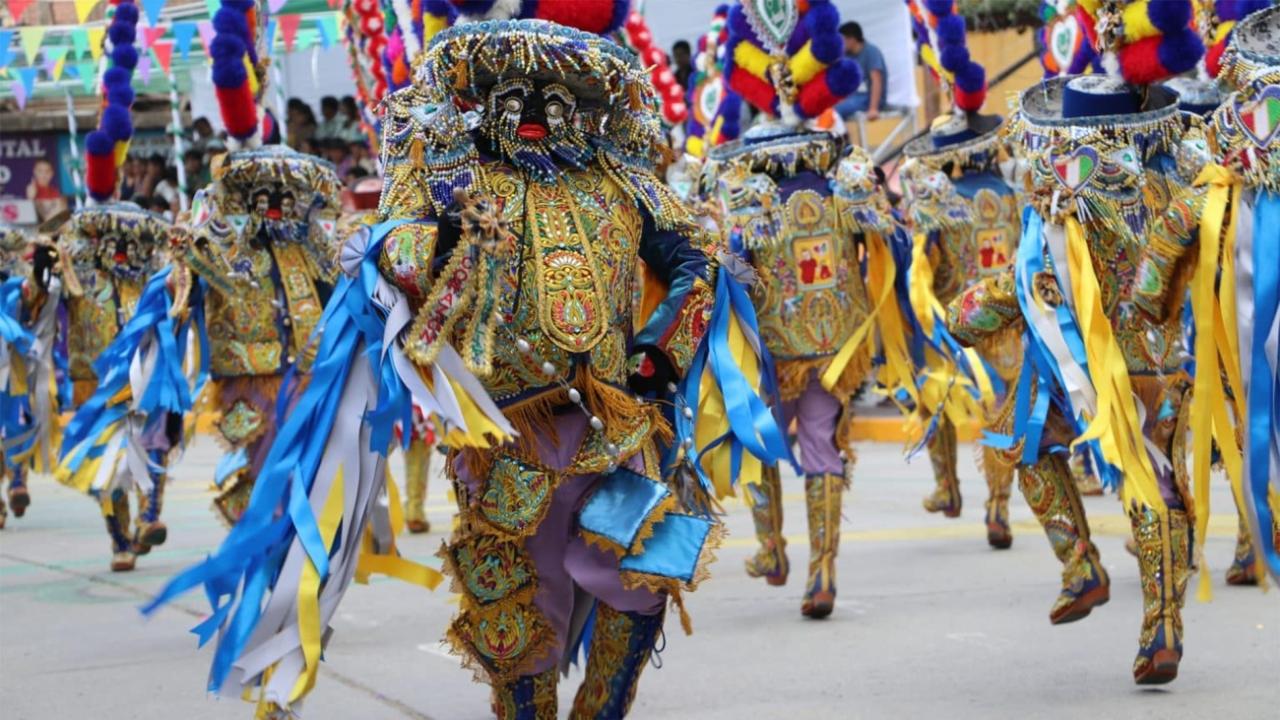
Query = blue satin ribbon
x=237 y=577
x=1264 y=380
x=12 y=331
x=674 y=549
x=620 y=505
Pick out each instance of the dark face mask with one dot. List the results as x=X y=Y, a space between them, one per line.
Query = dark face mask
x=531 y=124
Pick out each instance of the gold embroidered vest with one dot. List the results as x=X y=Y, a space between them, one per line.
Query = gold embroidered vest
x=95 y=318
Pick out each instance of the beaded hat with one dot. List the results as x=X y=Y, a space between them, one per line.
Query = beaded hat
x=1253 y=47
x=13 y=246
x=120 y=238
x=107 y=147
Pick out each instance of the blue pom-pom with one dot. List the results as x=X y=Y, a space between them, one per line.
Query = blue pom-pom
x=970 y=78
x=230 y=22
x=126 y=12
x=125 y=56
x=1170 y=15
x=121 y=34
x=827 y=47
x=939 y=8
x=115 y=77
x=98 y=143
x=121 y=95
x=843 y=77
x=722 y=9
x=954 y=57
x=228 y=67
x=738 y=24
x=950 y=31
x=476 y=7
x=116 y=123
x=1180 y=51
x=822 y=18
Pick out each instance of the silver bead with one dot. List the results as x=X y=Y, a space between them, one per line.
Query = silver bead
x=523 y=345
x=612 y=466
x=671 y=387
x=688 y=412
x=611 y=449
x=688 y=443
x=597 y=423
x=575 y=397
x=548 y=368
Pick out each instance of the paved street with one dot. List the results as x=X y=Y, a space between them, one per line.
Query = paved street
x=930 y=623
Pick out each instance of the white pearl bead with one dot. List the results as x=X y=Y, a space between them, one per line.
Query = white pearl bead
x=548 y=368
x=597 y=423
x=575 y=397
x=523 y=345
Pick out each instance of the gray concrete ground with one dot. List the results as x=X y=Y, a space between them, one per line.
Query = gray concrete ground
x=929 y=623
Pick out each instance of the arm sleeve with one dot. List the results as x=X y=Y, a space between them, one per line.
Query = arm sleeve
x=678 y=323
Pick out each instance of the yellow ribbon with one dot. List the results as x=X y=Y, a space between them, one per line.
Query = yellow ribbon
x=712 y=419
x=1116 y=426
x=308 y=597
x=880 y=273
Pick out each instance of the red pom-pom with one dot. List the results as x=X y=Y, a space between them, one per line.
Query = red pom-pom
x=815 y=97
x=675 y=112
x=239 y=112
x=754 y=90
x=635 y=22
x=642 y=39
x=1213 y=58
x=1140 y=62
x=673 y=93
x=653 y=56
x=588 y=15
x=970 y=101
x=100 y=176
x=662 y=77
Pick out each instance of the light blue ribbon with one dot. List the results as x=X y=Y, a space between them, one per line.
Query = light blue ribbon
x=1264 y=380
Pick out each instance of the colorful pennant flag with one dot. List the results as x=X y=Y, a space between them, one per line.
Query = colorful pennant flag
x=88 y=72
x=328 y=29
x=27 y=76
x=289 y=29
x=53 y=61
x=151 y=34
x=31 y=37
x=80 y=41
x=96 y=36
x=205 y=28
x=152 y=9
x=306 y=38
x=19 y=93
x=17 y=7
x=144 y=69
x=182 y=34
x=164 y=54
x=84 y=7
x=5 y=54
x=275 y=5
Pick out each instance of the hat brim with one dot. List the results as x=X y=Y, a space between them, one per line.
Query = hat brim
x=120 y=219
x=305 y=175
x=1042 y=105
x=986 y=127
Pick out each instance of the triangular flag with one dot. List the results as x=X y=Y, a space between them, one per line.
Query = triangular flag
x=144 y=69
x=152 y=8
x=31 y=38
x=275 y=5
x=88 y=72
x=328 y=29
x=17 y=7
x=164 y=54
x=271 y=37
x=28 y=77
x=96 y=34
x=289 y=29
x=52 y=57
x=80 y=41
x=5 y=55
x=151 y=34
x=19 y=93
x=58 y=67
x=205 y=28
x=306 y=38
x=182 y=34
x=83 y=8
x=213 y=6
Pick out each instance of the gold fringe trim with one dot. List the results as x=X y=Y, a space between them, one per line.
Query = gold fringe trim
x=794 y=375
x=702 y=569
x=666 y=505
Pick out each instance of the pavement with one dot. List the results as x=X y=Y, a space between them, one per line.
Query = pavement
x=929 y=623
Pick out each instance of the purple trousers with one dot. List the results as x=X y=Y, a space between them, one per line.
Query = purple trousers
x=560 y=556
x=815 y=413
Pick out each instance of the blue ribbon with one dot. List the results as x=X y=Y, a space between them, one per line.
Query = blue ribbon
x=1264 y=380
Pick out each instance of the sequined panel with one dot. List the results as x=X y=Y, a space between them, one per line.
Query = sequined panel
x=240 y=422
x=491 y=569
x=515 y=496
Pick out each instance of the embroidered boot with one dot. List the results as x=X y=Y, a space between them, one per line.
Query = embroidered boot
x=1163 y=560
x=621 y=644
x=115 y=511
x=529 y=697
x=417 y=463
x=999 y=474
x=1086 y=481
x=19 y=498
x=942 y=454
x=1244 y=568
x=823 y=495
x=151 y=532
x=1051 y=492
x=770 y=561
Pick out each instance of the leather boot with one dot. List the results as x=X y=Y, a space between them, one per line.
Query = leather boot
x=942 y=455
x=770 y=561
x=1164 y=549
x=19 y=498
x=823 y=494
x=621 y=643
x=1051 y=492
x=417 y=463
x=530 y=697
x=151 y=531
x=1244 y=568
x=115 y=511
x=999 y=474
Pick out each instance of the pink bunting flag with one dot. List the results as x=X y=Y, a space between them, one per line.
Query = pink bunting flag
x=205 y=27
x=16 y=8
x=164 y=54
x=151 y=34
x=289 y=29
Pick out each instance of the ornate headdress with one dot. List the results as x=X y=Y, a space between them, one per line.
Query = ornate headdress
x=239 y=70
x=119 y=238
x=13 y=248
x=715 y=109
x=1253 y=47
x=1219 y=19
x=1065 y=48
x=107 y=147
x=1247 y=124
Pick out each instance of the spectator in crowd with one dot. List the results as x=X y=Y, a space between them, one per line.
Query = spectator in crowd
x=870 y=96
x=358 y=151
x=197 y=173
x=300 y=123
x=201 y=134
x=334 y=123
x=682 y=58
x=131 y=177
x=161 y=182
x=354 y=175
x=159 y=206
x=352 y=115
x=309 y=146
x=335 y=151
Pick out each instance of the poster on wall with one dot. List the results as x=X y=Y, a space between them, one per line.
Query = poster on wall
x=29 y=187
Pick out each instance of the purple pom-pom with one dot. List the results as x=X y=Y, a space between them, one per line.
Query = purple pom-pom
x=951 y=30
x=125 y=56
x=126 y=12
x=1169 y=15
x=843 y=77
x=98 y=143
x=971 y=77
x=954 y=57
x=116 y=123
x=121 y=95
x=939 y=8
x=620 y=12
x=1179 y=52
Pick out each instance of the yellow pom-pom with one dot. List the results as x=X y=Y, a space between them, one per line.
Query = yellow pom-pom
x=121 y=152
x=1137 y=24
x=752 y=59
x=804 y=66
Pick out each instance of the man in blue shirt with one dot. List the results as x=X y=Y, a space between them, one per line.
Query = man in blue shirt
x=870 y=96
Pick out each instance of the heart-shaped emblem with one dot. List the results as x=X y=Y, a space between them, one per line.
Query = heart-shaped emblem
x=773 y=20
x=1074 y=170
x=1260 y=117
x=1064 y=41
